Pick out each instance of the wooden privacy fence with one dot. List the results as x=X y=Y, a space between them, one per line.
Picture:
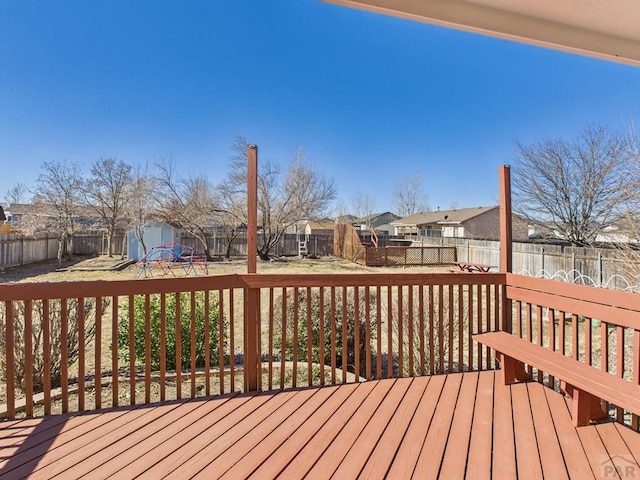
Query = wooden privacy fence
x=597 y=266
x=18 y=249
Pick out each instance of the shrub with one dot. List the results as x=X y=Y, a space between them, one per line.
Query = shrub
x=303 y=331
x=170 y=320
x=55 y=318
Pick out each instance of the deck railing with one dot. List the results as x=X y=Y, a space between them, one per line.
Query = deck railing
x=313 y=330
x=161 y=339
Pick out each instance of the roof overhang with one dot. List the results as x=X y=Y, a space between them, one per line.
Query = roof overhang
x=606 y=29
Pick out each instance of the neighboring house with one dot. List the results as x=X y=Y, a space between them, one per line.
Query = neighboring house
x=374 y=221
x=320 y=228
x=29 y=212
x=475 y=222
x=154 y=235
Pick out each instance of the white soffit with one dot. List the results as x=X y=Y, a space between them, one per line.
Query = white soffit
x=607 y=29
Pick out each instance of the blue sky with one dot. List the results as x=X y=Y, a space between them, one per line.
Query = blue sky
x=370 y=98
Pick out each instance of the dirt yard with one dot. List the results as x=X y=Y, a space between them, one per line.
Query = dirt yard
x=80 y=269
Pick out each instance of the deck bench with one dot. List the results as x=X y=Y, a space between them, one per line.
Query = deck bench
x=586 y=385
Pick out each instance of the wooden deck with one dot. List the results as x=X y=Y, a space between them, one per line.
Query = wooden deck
x=447 y=426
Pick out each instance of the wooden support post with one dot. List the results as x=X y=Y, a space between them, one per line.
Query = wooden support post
x=584 y=406
x=512 y=370
x=252 y=295
x=506 y=243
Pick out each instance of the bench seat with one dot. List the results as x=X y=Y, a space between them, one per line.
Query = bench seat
x=585 y=384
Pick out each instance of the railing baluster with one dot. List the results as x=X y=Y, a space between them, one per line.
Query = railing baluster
x=28 y=356
x=178 y=325
x=635 y=419
x=575 y=337
x=470 y=330
x=81 y=353
x=389 y=331
x=379 y=331
x=163 y=346
x=220 y=345
x=620 y=361
x=432 y=358
x=422 y=330
x=147 y=348
x=604 y=346
x=321 y=324
x=410 y=331
x=64 y=354
x=529 y=314
x=309 y=339
x=207 y=342
x=271 y=333
x=97 y=376
x=562 y=347
x=588 y=342
x=552 y=338
x=10 y=360
x=232 y=342
x=283 y=347
x=479 y=325
x=193 y=342
x=356 y=332
x=46 y=356
x=539 y=335
x=345 y=325
x=132 y=352
x=460 y=328
x=450 y=321
x=296 y=305
x=400 y=323
x=367 y=330
x=333 y=335
x=440 y=328
x=115 y=393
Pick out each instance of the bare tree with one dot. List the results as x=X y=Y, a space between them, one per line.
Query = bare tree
x=577 y=186
x=17 y=194
x=189 y=202
x=363 y=206
x=233 y=194
x=410 y=197
x=140 y=202
x=284 y=199
x=106 y=193
x=58 y=202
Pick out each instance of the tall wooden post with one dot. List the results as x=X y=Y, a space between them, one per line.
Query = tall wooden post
x=506 y=242
x=252 y=295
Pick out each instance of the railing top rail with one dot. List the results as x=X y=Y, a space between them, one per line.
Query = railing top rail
x=108 y=288
x=103 y=288
x=368 y=279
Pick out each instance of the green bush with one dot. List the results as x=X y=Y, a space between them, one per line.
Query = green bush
x=170 y=320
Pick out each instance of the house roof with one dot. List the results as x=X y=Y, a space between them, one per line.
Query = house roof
x=443 y=216
x=603 y=29
x=321 y=225
x=374 y=216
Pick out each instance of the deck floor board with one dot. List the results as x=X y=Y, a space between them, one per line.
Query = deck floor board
x=450 y=425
